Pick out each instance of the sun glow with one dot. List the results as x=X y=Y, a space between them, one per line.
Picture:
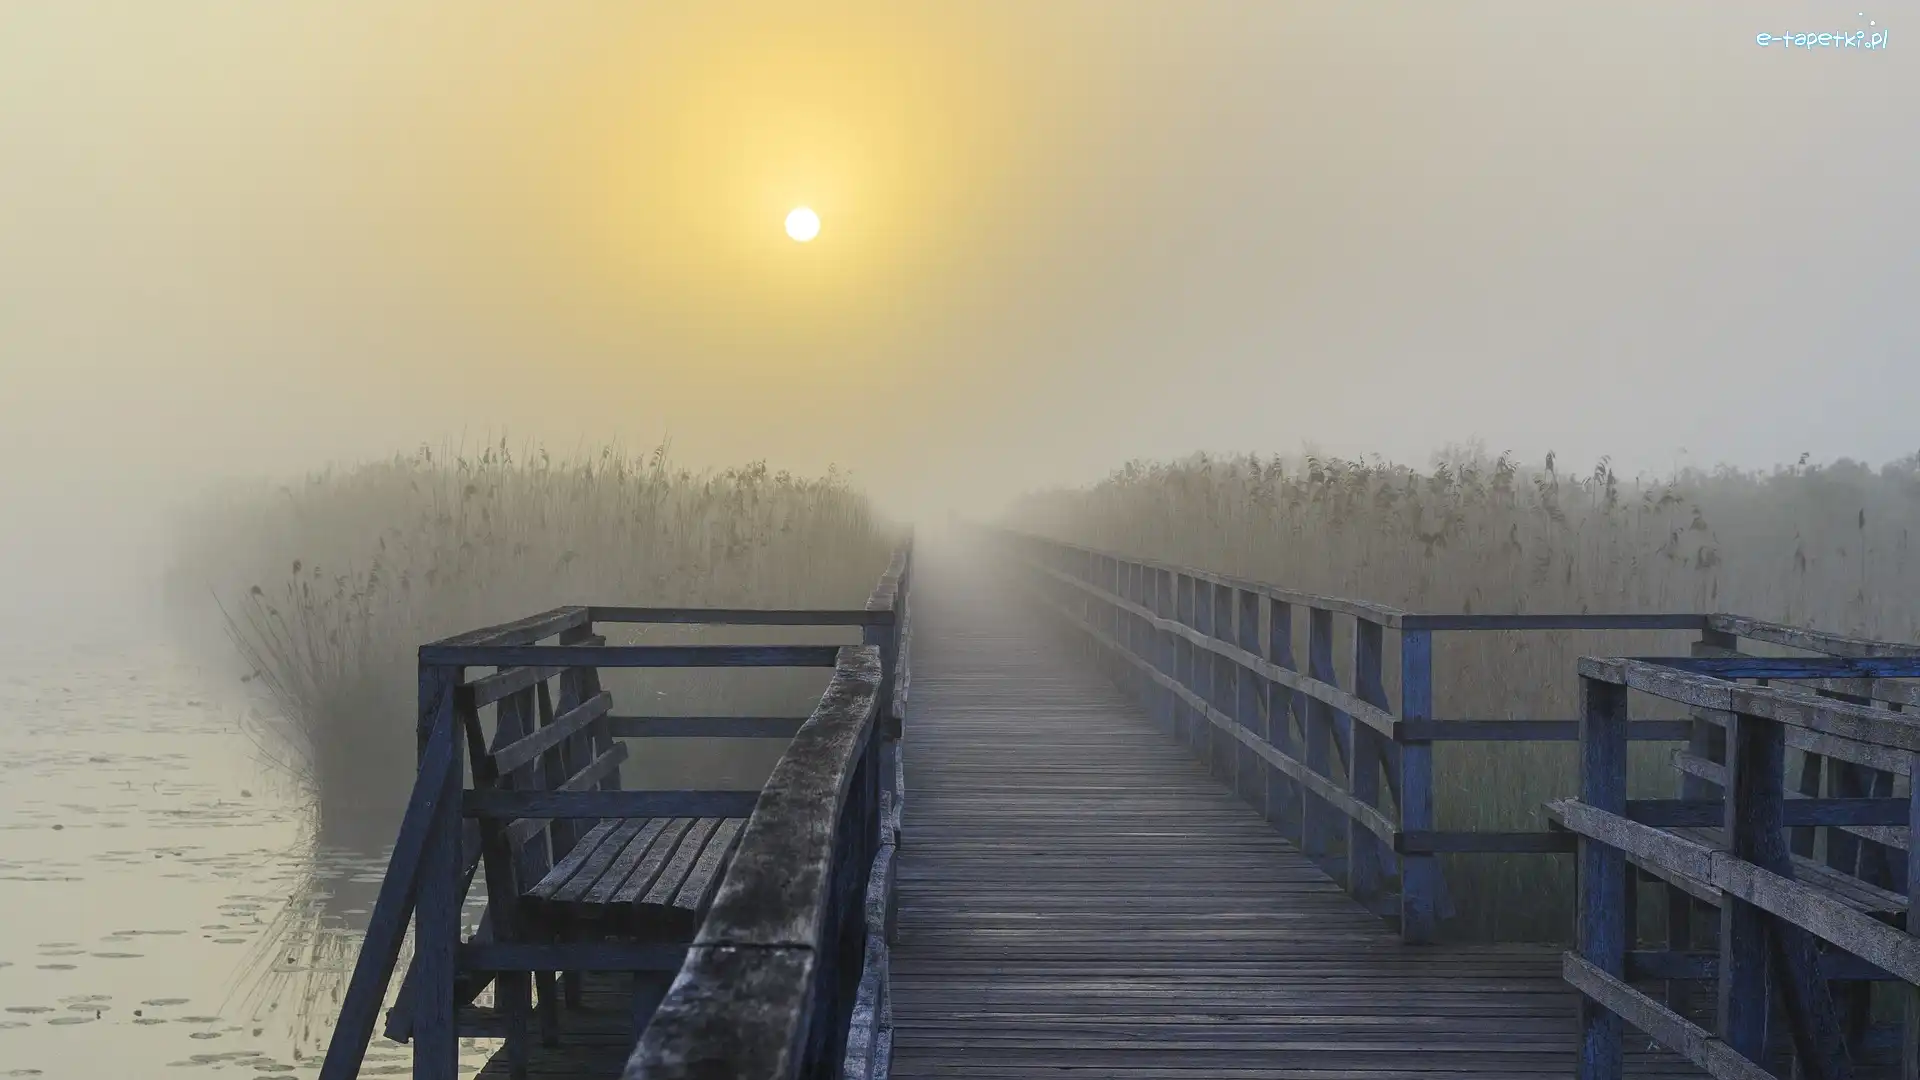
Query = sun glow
x=803 y=224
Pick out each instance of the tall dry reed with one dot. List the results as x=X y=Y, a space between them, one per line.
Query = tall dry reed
x=328 y=585
x=1826 y=546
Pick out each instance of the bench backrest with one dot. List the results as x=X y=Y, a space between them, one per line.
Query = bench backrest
x=540 y=744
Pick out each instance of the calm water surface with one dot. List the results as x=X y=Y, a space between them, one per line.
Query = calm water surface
x=166 y=911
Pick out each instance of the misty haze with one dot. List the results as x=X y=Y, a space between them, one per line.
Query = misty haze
x=1176 y=504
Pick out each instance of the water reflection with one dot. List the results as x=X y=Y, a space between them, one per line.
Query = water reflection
x=168 y=900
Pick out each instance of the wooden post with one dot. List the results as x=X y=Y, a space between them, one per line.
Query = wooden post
x=1419 y=874
x=1753 y=779
x=1225 y=685
x=1317 y=830
x=1848 y=854
x=1802 y=838
x=1762 y=955
x=887 y=737
x=1707 y=741
x=1910 y=994
x=1284 y=794
x=1183 y=659
x=1163 y=660
x=1146 y=643
x=1249 y=696
x=1602 y=924
x=1366 y=857
x=1202 y=672
x=436 y=917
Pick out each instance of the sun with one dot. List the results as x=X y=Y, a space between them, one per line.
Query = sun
x=803 y=224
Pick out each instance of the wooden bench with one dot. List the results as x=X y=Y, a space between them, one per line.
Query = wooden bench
x=555 y=881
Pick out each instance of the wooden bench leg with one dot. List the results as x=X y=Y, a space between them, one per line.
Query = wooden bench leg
x=515 y=992
x=549 y=1008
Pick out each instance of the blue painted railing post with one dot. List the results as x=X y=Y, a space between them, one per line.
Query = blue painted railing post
x=1183 y=724
x=1708 y=739
x=1284 y=794
x=1366 y=857
x=1249 y=699
x=1419 y=874
x=1319 y=824
x=1910 y=998
x=1601 y=931
x=1205 y=734
x=1754 y=766
x=1168 y=711
x=1226 y=675
x=436 y=917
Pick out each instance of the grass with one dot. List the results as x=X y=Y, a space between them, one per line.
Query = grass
x=326 y=586
x=1826 y=546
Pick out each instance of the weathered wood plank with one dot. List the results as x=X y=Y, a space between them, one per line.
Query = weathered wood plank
x=1654 y=621
x=1532 y=730
x=743 y=1004
x=1610 y=992
x=1083 y=899
x=1600 y=928
x=521 y=631
x=436 y=916
x=703 y=616
x=704 y=727
x=630 y=656
x=646 y=869
x=580 y=804
x=524 y=750
x=1811 y=640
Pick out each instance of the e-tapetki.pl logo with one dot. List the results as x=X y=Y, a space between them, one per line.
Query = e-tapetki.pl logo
x=1873 y=36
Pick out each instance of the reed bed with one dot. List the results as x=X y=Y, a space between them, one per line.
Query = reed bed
x=1828 y=546
x=325 y=588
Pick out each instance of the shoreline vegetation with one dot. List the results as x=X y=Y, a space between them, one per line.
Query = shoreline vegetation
x=326 y=586
x=1828 y=546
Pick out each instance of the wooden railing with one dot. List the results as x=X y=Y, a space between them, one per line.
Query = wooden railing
x=803 y=914
x=1342 y=771
x=788 y=976
x=1783 y=942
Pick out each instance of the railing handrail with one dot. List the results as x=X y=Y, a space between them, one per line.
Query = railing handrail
x=741 y=1004
x=1857 y=723
x=746 y=1003
x=1144 y=612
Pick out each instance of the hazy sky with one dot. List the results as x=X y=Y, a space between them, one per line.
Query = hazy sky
x=257 y=237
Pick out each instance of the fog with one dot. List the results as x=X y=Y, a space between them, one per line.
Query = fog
x=253 y=239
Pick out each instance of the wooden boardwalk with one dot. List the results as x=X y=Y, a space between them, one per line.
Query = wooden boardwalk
x=1079 y=897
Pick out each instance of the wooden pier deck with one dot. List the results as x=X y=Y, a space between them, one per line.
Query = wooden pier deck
x=1078 y=897
x=981 y=856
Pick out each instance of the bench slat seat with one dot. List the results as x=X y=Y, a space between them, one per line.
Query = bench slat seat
x=645 y=878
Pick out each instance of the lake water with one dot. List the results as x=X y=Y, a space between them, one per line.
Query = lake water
x=167 y=912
